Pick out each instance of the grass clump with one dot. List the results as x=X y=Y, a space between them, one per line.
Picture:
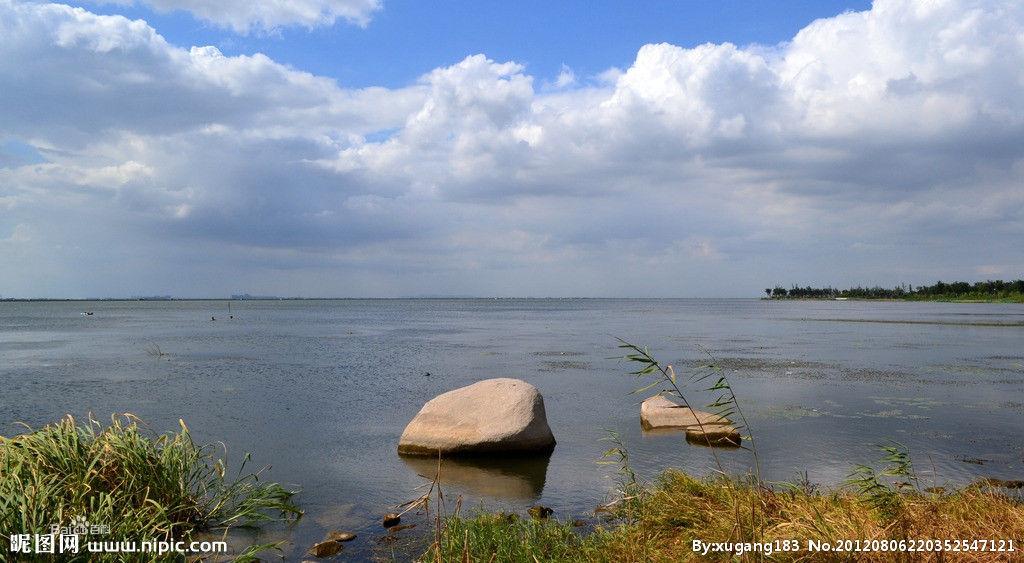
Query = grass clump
x=506 y=537
x=137 y=485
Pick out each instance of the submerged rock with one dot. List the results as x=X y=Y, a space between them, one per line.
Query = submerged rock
x=340 y=536
x=328 y=548
x=492 y=416
x=714 y=435
x=701 y=427
x=1000 y=483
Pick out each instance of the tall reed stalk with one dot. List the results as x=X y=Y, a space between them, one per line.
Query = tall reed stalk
x=725 y=405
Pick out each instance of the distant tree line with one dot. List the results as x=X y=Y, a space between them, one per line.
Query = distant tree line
x=983 y=290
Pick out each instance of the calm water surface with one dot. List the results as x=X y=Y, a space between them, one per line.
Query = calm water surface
x=321 y=390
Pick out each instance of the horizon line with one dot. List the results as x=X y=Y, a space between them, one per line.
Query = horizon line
x=409 y=297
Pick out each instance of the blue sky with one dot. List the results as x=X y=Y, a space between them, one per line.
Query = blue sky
x=361 y=148
x=407 y=38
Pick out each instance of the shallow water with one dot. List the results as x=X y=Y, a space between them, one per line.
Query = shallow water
x=322 y=389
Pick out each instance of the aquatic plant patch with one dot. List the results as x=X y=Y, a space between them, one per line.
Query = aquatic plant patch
x=92 y=488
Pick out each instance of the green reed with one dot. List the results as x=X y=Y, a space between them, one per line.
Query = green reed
x=139 y=485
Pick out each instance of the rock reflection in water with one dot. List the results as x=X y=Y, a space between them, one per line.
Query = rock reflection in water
x=510 y=478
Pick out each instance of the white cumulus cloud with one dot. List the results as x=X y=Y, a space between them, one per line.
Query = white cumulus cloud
x=873 y=147
x=244 y=16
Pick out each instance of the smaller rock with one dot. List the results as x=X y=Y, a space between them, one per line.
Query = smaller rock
x=325 y=549
x=391 y=520
x=540 y=512
x=578 y=523
x=702 y=428
x=396 y=529
x=714 y=435
x=340 y=536
x=659 y=412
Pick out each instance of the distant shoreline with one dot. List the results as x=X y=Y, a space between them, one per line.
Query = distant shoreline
x=1012 y=299
x=989 y=291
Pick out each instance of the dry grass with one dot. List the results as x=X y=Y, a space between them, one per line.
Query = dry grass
x=661 y=523
x=680 y=508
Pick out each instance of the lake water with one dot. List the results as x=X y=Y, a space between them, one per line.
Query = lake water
x=321 y=390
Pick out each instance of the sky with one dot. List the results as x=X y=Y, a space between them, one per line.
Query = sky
x=544 y=149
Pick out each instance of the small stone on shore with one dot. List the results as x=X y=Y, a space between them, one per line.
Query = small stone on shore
x=540 y=512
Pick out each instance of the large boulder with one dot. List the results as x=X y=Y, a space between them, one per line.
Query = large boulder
x=701 y=427
x=494 y=416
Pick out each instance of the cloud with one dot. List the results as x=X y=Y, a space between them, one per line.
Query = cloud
x=245 y=16
x=873 y=147
x=95 y=74
x=566 y=77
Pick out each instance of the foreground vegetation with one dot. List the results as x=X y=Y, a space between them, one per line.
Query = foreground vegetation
x=994 y=291
x=660 y=522
x=136 y=485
